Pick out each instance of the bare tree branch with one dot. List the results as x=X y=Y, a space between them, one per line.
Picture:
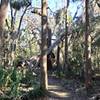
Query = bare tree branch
x=18 y=33
x=59 y=39
x=7 y=24
x=36 y=12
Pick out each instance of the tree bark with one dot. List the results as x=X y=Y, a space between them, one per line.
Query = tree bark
x=58 y=55
x=66 y=41
x=49 y=36
x=58 y=59
x=87 y=67
x=3 y=13
x=49 y=63
x=43 y=60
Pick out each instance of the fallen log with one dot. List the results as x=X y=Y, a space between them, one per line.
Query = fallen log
x=46 y=52
x=61 y=37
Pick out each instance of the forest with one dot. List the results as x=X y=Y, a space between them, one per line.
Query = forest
x=49 y=49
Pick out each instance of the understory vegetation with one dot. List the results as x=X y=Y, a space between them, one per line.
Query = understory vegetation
x=38 y=43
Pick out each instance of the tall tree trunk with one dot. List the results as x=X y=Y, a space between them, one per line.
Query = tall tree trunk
x=66 y=41
x=3 y=13
x=49 y=63
x=49 y=36
x=58 y=60
x=87 y=67
x=43 y=60
x=58 y=55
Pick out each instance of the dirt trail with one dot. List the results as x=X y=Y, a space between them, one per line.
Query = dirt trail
x=70 y=91
x=57 y=92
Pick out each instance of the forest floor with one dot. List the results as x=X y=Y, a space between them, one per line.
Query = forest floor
x=58 y=92
x=61 y=89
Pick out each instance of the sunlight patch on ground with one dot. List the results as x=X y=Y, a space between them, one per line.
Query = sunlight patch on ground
x=80 y=89
x=58 y=91
x=53 y=87
x=97 y=75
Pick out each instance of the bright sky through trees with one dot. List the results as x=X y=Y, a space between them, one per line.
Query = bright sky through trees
x=58 y=4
